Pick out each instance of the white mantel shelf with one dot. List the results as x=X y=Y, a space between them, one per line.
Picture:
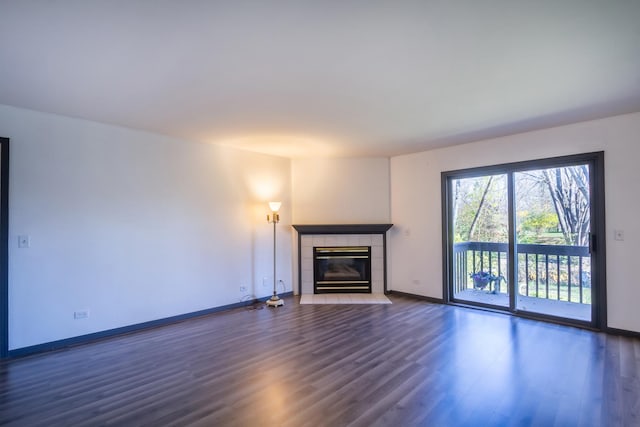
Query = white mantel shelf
x=373 y=235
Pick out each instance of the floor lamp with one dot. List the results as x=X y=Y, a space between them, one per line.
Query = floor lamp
x=274 y=218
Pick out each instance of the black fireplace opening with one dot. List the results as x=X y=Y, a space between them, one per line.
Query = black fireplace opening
x=342 y=269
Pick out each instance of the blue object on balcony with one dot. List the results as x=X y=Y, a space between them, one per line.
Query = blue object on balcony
x=483 y=278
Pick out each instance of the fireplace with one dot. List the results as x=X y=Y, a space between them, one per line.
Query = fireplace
x=342 y=269
x=371 y=237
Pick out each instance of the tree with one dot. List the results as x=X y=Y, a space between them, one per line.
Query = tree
x=472 y=227
x=534 y=223
x=569 y=190
x=479 y=206
x=480 y=209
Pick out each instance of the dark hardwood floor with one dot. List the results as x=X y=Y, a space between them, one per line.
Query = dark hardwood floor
x=411 y=363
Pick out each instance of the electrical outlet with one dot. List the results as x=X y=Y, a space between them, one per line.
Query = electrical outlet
x=80 y=314
x=618 y=234
x=243 y=289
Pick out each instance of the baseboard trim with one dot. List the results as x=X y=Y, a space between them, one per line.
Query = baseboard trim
x=420 y=297
x=110 y=333
x=623 y=332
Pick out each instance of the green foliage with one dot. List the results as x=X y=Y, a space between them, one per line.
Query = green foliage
x=491 y=222
x=536 y=227
x=551 y=204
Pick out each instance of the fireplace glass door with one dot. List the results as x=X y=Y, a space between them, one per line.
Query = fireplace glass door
x=342 y=269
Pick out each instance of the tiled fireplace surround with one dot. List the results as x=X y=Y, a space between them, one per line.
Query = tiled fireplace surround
x=310 y=236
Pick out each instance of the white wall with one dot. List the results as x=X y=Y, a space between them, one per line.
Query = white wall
x=340 y=191
x=132 y=226
x=415 y=242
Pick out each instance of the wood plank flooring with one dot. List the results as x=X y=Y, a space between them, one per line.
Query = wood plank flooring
x=411 y=363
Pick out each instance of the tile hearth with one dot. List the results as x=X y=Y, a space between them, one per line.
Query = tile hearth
x=345 y=299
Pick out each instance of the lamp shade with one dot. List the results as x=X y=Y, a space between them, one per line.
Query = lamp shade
x=275 y=206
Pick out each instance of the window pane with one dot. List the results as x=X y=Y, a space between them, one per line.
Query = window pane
x=481 y=236
x=552 y=233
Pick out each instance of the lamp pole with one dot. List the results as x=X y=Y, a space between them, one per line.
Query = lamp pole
x=274 y=301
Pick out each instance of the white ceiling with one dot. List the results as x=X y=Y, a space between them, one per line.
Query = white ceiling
x=323 y=77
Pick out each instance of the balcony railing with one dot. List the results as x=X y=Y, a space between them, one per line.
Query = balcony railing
x=544 y=271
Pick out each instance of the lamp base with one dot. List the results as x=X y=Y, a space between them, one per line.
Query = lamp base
x=274 y=301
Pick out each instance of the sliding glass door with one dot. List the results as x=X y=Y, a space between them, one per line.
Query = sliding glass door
x=481 y=239
x=522 y=238
x=553 y=229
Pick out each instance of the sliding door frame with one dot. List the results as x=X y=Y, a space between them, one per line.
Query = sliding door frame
x=595 y=160
x=4 y=247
